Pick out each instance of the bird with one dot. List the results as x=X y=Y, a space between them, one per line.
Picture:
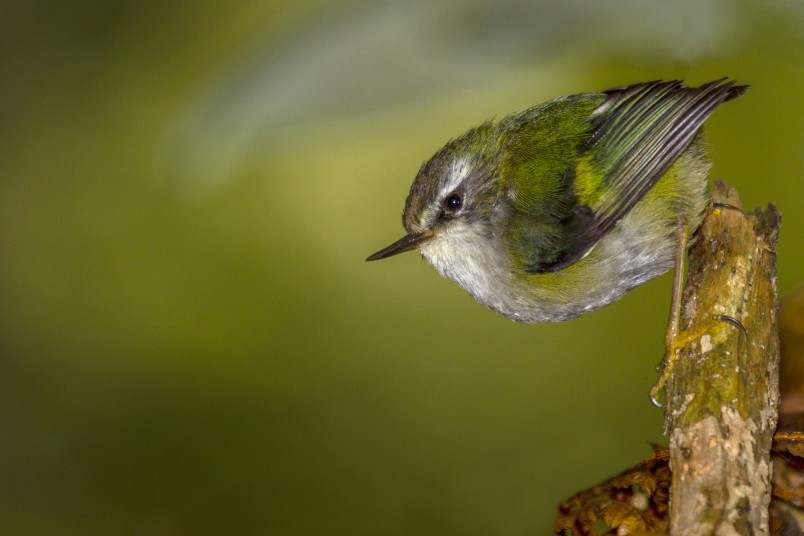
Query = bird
x=560 y=209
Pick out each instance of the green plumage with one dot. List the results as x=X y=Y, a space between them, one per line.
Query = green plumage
x=579 y=164
x=538 y=177
x=563 y=207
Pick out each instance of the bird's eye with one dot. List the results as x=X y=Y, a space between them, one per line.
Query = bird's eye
x=453 y=202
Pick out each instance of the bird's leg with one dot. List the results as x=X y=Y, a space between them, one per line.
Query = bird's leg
x=675 y=340
x=672 y=343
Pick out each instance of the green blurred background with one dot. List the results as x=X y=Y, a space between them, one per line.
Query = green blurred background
x=191 y=340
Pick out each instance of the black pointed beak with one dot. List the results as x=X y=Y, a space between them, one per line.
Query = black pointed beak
x=406 y=243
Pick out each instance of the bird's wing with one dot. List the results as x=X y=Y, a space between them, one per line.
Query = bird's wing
x=637 y=134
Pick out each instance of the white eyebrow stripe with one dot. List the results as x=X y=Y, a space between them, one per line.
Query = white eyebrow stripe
x=460 y=169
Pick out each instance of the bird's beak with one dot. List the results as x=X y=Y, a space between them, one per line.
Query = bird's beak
x=406 y=243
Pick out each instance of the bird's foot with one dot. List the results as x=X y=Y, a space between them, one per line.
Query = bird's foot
x=679 y=341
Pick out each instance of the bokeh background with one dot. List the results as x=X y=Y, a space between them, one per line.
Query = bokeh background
x=191 y=341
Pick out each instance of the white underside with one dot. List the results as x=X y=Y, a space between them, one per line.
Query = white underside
x=639 y=248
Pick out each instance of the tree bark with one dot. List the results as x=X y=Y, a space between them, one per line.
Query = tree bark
x=723 y=395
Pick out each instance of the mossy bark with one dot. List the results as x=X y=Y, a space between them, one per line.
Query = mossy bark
x=723 y=395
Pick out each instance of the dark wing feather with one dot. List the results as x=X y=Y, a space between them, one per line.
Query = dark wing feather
x=638 y=132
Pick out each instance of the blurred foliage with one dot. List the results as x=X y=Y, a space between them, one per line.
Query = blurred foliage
x=191 y=341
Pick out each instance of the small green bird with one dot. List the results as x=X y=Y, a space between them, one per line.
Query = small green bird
x=562 y=208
